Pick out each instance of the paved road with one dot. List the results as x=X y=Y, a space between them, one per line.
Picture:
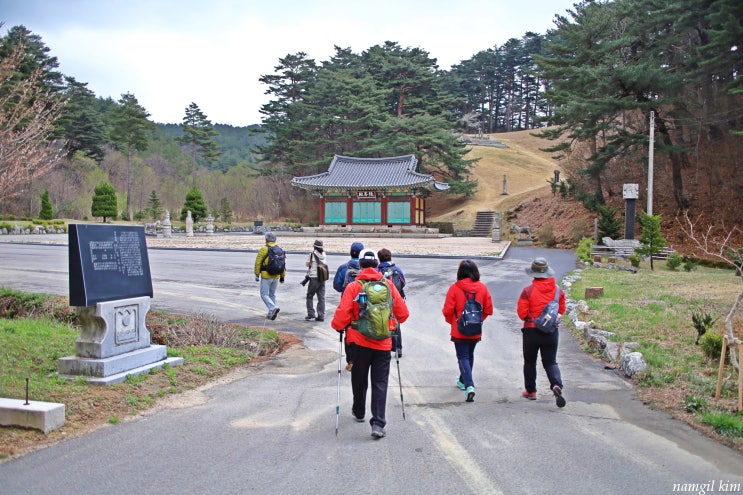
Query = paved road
x=272 y=431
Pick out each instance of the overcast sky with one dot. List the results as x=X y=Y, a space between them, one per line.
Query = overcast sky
x=169 y=53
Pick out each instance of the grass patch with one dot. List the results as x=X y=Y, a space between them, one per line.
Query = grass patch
x=36 y=330
x=655 y=309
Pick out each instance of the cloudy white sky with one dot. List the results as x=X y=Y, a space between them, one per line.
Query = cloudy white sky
x=169 y=53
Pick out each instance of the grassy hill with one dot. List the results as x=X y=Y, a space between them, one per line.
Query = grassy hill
x=529 y=201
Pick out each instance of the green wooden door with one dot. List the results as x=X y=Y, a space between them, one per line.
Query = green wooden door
x=367 y=212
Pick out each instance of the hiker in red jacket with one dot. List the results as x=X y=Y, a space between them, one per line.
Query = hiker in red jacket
x=468 y=282
x=531 y=302
x=371 y=357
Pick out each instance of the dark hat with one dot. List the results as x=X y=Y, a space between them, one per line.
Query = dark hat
x=356 y=248
x=540 y=269
x=368 y=259
x=270 y=237
x=317 y=244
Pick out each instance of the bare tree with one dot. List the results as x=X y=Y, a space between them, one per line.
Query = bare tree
x=27 y=117
x=719 y=246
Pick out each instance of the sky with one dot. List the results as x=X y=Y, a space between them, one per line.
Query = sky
x=170 y=53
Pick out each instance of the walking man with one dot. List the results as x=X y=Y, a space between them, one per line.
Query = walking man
x=316 y=285
x=270 y=270
x=371 y=355
x=394 y=274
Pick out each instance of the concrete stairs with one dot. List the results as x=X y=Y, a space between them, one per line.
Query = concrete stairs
x=483 y=224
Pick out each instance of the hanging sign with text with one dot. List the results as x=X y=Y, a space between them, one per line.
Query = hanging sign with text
x=107 y=262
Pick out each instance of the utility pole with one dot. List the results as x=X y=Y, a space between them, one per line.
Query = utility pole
x=650 y=162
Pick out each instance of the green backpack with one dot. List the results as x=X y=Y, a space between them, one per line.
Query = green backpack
x=375 y=309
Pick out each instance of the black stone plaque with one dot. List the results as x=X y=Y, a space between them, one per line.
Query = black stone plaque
x=107 y=262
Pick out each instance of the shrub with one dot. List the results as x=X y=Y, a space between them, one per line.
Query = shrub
x=635 y=260
x=689 y=265
x=546 y=236
x=583 y=251
x=674 y=261
x=711 y=344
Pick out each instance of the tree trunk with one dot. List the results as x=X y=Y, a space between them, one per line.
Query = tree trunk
x=730 y=333
x=676 y=165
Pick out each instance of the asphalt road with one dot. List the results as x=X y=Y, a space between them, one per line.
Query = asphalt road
x=272 y=430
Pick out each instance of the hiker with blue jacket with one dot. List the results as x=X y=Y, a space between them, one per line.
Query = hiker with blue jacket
x=371 y=355
x=342 y=275
x=345 y=273
x=467 y=286
x=532 y=301
x=269 y=281
x=394 y=274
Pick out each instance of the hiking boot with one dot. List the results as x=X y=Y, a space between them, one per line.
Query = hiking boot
x=470 y=394
x=356 y=418
x=460 y=385
x=529 y=395
x=274 y=313
x=378 y=431
x=308 y=317
x=319 y=318
x=559 y=399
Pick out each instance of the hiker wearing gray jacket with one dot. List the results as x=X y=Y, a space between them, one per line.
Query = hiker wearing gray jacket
x=315 y=286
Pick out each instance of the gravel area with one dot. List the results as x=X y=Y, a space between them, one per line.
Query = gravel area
x=297 y=241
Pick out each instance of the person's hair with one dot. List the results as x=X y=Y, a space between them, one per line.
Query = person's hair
x=368 y=263
x=468 y=269
x=318 y=249
x=384 y=254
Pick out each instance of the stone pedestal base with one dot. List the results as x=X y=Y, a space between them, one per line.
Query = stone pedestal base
x=107 y=371
x=114 y=342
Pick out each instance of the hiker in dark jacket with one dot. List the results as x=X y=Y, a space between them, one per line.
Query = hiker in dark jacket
x=371 y=357
x=468 y=281
x=386 y=268
x=339 y=281
x=531 y=302
x=339 y=284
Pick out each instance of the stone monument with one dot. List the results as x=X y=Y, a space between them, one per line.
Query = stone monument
x=110 y=287
x=210 y=225
x=189 y=224
x=167 y=226
x=630 y=193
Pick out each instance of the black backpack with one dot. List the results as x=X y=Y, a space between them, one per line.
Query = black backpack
x=470 y=321
x=392 y=274
x=350 y=275
x=276 y=260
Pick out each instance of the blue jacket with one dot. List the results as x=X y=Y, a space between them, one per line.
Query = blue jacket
x=340 y=274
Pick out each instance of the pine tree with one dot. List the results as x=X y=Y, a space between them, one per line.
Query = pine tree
x=195 y=204
x=225 y=210
x=154 y=206
x=104 y=201
x=46 y=213
x=609 y=223
x=130 y=132
x=651 y=240
x=198 y=133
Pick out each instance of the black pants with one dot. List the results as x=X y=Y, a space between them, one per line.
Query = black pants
x=545 y=344
x=370 y=363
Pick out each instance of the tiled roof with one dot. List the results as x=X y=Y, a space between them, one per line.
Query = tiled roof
x=369 y=173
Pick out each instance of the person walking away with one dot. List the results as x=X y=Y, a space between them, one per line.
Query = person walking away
x=347 y=271
x=394 y=274
x=270 y=270
x=315 y=283
x=343 y=275
x=371 y=355
x=530 y=304
x=467 y=286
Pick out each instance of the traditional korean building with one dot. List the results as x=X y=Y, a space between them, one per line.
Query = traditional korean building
x=372 y=191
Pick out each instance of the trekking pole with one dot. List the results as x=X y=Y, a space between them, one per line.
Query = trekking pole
x=338 y=395
x=399 y=380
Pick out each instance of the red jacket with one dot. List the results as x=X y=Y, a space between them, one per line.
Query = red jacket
x=348 y=311
x=455 y=300
x=535 y=297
